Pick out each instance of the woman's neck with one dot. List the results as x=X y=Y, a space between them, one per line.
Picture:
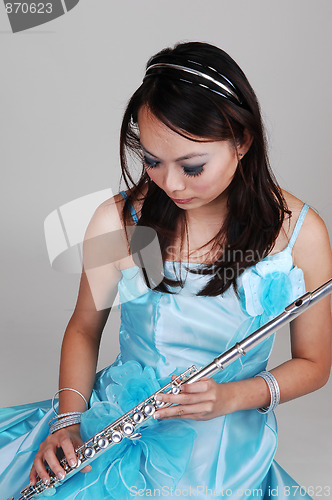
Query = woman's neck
x=211 y=214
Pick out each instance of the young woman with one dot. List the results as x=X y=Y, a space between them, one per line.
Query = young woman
x=235 y=250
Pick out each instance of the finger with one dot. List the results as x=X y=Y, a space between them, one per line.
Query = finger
x=68 y=448
x=69 y=451
x=202 y=385
x=180 y=398
x=183 y=411
x=87 y=468
x=40 y=469
x=32 y=476
x=191 y=416
x=54 y=463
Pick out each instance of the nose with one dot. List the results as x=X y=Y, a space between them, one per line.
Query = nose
x=173 y=180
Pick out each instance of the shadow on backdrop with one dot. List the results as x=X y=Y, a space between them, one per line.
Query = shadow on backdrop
x=28 y=14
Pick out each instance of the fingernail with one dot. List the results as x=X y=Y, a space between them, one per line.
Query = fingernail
x=156 y=415
x=46 y=480
x=72 y=462
x=60 y=475
x=159 y=397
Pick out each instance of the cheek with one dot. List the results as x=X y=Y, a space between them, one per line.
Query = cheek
x=202 y=186
x=153 y=174
x=220 y=178
x=211 y=185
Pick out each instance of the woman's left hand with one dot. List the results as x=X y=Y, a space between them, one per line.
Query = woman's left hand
x=201 y=400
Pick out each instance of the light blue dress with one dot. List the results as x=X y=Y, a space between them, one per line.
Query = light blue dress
x=161 y=334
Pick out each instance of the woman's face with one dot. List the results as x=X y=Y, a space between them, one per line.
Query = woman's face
x=193 y=174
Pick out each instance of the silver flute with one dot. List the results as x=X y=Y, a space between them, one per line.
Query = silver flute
x=128 y=424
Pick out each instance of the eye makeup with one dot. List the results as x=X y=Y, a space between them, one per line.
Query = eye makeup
x=149 y=163
x=192 y=171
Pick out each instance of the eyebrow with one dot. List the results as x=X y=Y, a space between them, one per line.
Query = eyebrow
x=186 y=157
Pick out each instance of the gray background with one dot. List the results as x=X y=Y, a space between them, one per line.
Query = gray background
x=64 y=86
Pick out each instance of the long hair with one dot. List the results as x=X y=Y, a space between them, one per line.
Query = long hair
x=255 y=205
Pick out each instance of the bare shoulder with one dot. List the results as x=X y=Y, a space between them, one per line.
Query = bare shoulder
x=107 y=217
x=313 y=230
x=105 y=242
x=295 y=205
x=313 y=225
x=312 y=250
x=114 y=205
x=106 y=238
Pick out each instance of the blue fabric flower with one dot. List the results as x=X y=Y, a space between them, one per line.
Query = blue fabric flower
x=158 y=458
x=275 y=293
x=134 y=384
x=268 y=287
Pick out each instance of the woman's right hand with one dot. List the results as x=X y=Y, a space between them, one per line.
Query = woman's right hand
x=68 y=439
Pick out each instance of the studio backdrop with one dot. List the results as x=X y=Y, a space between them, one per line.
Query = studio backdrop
x=65 y=80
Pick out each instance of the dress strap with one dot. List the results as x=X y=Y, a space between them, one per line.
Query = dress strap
x=132 y=210
x=298 y=225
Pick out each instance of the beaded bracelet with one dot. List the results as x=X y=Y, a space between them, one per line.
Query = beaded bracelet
x=274 y=391
x=69 y=419
x=61 y=415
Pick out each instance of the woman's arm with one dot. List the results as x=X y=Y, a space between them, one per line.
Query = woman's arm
x=80 y=347
x=310 y=365
x=311 y=332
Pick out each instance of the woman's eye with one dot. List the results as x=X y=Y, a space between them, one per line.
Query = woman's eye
x=193 y=171
x=188 y=171
x=149 y=163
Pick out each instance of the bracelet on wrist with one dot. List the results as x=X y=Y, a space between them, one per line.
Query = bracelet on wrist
x=62 y=420
x=66 y=421
x=274 y=391
x=69 y=389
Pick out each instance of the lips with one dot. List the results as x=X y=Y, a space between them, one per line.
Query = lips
x=184 y=200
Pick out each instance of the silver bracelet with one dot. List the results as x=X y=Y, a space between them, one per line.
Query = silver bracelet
x=68 y=389
x=61 y=415
x=274 y=391
x=65 y=422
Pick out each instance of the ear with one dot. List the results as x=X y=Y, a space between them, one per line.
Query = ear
x=244 y=147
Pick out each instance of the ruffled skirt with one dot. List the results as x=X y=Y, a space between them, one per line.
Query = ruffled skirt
x=229 y=456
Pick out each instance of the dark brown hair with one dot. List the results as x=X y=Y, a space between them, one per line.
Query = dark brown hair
x=256 y=207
